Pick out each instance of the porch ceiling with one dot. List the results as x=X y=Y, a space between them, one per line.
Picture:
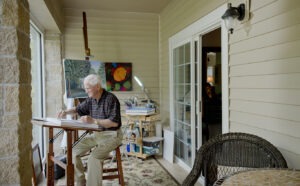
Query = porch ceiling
x=149 y=6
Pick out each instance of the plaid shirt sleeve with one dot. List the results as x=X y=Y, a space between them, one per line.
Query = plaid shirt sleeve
x=84 y=108
x=114 y=110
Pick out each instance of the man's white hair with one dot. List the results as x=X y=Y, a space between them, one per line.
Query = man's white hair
x=93 y=80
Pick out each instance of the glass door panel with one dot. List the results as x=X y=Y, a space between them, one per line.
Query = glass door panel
x=182 y=102
x=37 y=86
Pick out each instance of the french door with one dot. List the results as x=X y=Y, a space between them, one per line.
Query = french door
x=185 y=100
x=185 y=49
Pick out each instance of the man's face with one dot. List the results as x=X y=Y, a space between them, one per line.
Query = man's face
x=92 y=91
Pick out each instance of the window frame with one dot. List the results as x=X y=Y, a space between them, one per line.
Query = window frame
x=41 y=82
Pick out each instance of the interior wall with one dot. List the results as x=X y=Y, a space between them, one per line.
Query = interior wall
x=118 y=37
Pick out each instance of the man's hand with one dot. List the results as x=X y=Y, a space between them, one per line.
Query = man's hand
x=87 y=119
x=61 y=114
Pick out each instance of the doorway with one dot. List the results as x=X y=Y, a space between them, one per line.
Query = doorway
x=186 y=83
x=211 y=85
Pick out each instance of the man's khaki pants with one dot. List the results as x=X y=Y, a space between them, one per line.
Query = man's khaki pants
x=104 y=142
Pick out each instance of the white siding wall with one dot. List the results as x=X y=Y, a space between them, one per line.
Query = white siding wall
x=264 y=79
x=265 y=76
x=175 y=17
x=118 y=37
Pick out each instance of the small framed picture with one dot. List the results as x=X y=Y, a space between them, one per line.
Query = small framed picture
x=37 y=166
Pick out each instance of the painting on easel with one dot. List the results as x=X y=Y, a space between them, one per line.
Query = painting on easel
x=76 y=71
x=118 y=76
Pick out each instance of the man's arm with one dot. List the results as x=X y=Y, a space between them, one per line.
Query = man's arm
x=106 y=123
x=63 y=113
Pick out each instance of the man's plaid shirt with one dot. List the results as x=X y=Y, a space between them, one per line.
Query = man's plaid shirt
x=108 y=107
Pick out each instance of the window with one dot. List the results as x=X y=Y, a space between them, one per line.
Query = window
x=37 y=84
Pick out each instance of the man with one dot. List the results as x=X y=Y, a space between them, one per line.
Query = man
x=101 y=108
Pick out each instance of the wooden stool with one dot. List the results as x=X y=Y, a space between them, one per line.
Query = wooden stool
x=118 y=170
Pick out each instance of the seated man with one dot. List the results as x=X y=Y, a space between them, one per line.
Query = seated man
x=102 y=108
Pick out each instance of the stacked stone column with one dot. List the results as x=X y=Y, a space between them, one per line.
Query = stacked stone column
x=15 y=93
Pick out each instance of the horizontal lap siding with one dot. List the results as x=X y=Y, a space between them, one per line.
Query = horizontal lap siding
x=280 y=141
x=118 y=37
x=264 y=76
x=175 y=17
x=259 y=120
x=272 y=110
x=278 y=96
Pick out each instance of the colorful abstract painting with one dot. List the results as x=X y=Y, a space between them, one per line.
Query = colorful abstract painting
x=118 y=76
x=76 y=71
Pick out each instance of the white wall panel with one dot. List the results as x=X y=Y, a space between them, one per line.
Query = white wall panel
x=280 y=96
x=280 y=66
x=261 y=122
x=265 y=23
x=284 y=143
x=265 y=75
x=280 y=51
x=277 y=81
x=288 y=112
x=274 y=38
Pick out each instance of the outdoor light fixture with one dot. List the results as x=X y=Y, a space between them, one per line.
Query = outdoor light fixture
x=233 y=14
x=143 y=88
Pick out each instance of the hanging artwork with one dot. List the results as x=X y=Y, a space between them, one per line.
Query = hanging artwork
x=118 y=76
x=76 y=71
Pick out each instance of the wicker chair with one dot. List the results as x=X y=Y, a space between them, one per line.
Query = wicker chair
x=233 y=152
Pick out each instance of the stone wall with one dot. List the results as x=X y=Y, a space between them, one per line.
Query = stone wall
x=54 y=88
x=15 y=91
x=54 y=81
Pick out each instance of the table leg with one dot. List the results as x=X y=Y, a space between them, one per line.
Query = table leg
x=76 y=136
x=50 y=164
x=70 y=166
